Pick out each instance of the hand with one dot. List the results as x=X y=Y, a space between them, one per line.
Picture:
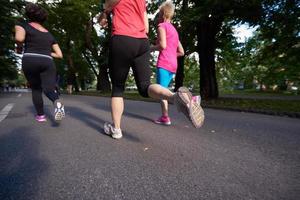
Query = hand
x=102 y=20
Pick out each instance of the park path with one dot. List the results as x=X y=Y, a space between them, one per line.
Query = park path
x=233 y=156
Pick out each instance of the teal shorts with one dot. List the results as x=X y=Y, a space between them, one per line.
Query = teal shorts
x=164 y=77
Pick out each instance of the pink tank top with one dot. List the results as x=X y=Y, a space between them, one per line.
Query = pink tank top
x=167 y=58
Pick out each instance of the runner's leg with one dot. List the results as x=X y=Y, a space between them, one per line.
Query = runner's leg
x=31 y=71
x=120 y=55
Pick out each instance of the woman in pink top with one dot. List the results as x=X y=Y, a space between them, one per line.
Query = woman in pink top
x=169 y=48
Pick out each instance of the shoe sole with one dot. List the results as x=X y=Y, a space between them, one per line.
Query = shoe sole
x=194 y=111
x=184 y=90
x=58 y=116
x=41 y=120
x=116 y=137
x=166 y=124
x=106 y=129
x=196 y=114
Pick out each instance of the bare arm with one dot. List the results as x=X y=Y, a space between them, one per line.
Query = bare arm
x=56 y=51
x=162 y=40
x=19 y=38
x=108 y=7
x=146 y=22
x=180 y=50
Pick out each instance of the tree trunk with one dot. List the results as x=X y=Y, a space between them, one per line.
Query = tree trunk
x=72 y=75
x=82 y=84
x=103 y=83
x=179 y=73
x=179 y=78
x=207 y=29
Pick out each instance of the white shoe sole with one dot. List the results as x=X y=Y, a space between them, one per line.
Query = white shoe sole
x=166 y=124
x=60 y=113
x=58 y=116
x=107 y=129
x=189 y=108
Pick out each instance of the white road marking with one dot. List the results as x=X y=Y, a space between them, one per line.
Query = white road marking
x=5 y=111
x=19 y=95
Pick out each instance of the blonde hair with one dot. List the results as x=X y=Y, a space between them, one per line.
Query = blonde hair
x=167 y=10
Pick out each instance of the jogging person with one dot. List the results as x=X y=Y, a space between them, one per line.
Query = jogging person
x=169 y=48
x=40 y=48
x=129 y=47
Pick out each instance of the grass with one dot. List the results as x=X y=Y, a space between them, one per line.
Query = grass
x=259 y=93
x=259 y=105
x=274 y=107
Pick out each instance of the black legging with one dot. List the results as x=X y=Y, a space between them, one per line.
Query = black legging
x=126 y=52
x=40 y=72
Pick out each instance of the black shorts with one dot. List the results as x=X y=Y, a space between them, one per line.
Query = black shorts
x=126 y=52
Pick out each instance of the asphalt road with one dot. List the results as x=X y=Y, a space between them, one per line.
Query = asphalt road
x=233 y=156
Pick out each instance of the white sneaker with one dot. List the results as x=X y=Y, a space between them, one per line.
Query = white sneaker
x=112 y=131
x=59 y=111
x=192 y=109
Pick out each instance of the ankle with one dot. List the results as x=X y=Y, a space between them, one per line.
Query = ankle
x=116 y=127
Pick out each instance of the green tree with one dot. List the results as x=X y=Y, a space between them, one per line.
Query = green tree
x=209 y=17
x=8 y=63
x=271 y=57
x=279 y=34
x=73 y=25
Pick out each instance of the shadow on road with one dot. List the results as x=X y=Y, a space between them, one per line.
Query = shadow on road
x=20 y=166
x=126 y=113
x=94 y=122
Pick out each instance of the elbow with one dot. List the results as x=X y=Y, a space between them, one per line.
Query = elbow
x=162 y=46
x=19 y=39
x=180 y=52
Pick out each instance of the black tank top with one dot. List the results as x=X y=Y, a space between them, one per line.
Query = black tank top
x=37 y=41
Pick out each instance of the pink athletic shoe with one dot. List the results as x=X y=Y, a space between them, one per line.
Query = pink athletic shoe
x=40 y=118
x=165 y=120
x=197 y=99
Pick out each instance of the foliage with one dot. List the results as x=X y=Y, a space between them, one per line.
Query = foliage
x=8 y=62
x=191 y=73
x=270 y=57
x=69 y=21
x=279 y=36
